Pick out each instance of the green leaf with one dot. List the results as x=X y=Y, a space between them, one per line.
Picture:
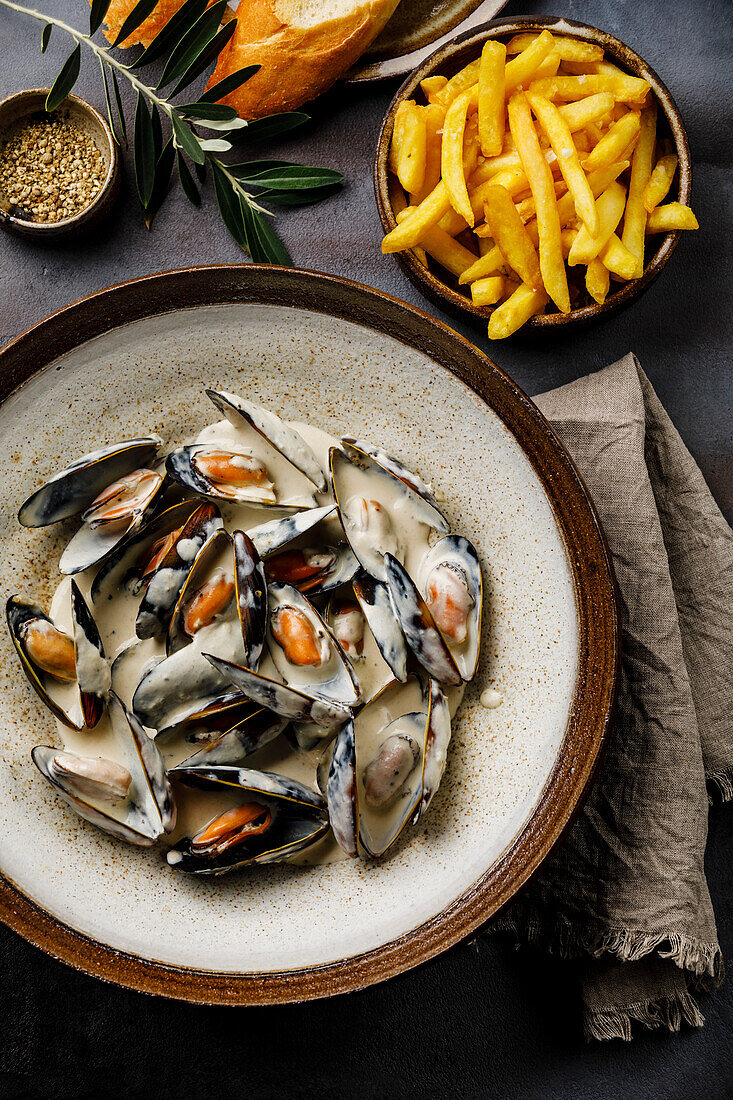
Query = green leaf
x=262 y=128
x=294 y=177
x=215 y=145
x=65 y=81
x=45 y=36
x=188 y=184
x=112 y=126
x=171 y=33
x=98 y=11
x=272 y=248
x=228 y=128
x=228 y=202
x=200 y=170
x=192 y=43
x=144 y=148
x=300 y=198
x=230 y=83
x=163 y=169
x=207 y=55
x=138 y=15
x=252 y=243
x=249 y=169
x=186 y=139
x=208 y=112
x=118 y=103
x=157 y=131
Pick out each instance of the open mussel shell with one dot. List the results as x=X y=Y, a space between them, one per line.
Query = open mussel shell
x=64 y=697
x=437 y=739
x=94 y=541
x=287 y=701
x=147 y=811
x=236 y=556
x=381 y=514
x=125 y=570
x=246 y=416
x=363 y=762
x=92 y=668
x=276 y=533
x=389 y=462
x=163 y=586
x=233 y=745
x=456 y=560
x=291 y=817
x=74 y=488
x=184 y=465
x=418 y=625
x=341 y=791
x=328 y=675
x=374 y=600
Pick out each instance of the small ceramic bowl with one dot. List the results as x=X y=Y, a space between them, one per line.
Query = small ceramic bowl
x=29 y=106
x=440 y=286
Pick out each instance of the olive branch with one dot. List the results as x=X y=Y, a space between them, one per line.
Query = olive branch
x=186 y=46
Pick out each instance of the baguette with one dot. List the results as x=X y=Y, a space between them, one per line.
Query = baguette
x=303 y=46
x=164 y=10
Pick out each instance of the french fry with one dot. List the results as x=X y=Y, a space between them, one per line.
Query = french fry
x=452 y=223
x=567 y=239
x=485 y=244
x=449 y=253
x=580 y=114
x=672 y=216
x=401 y=211
x=549 y=66
x=486 y=292
x=629 y=89
x=598 y=181
x=413 y=146
x=431 y=85
x=561 y=140
x=595 y=133
x=451 y=160
x=610 y=208
x=615 y=142
x=459 y=83
x=525 y=64
x=543 y=189
x=641 y=170
x=397 y=131
x=430 y=210
x=488 y=264
x=570 y=49
x=597 y=281
x=434 y=117
x=660 y=182
x=618 y=260
x=515 y=311
x=527 y=207
x=491 y=98
x=512 y=239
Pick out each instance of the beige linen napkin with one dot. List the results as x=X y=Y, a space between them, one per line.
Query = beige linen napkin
x=626 y=890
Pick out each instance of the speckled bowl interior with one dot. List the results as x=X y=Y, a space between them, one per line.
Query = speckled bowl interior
x=346 y=377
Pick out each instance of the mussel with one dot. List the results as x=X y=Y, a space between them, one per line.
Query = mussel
x=221 y=608
x=375 y=778
x=313 y=570
x=130 y=798
x=449 y=578
x=418 y=626
x=68 y=672
x=73 y=489
x=274 y=818
x=381 y=512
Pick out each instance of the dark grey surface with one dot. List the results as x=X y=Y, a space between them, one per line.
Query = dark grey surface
x=480 y=1020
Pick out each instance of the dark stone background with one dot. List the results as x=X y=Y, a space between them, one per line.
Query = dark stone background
x=480 y=1020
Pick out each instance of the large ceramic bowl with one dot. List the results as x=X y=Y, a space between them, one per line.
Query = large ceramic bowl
x=136 y=358
x=437 y=284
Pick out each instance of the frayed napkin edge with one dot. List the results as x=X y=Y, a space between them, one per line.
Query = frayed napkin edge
x=667 y=1012
x=720 y=786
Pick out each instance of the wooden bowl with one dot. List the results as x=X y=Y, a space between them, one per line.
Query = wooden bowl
x=440 y=286
x=30 y=106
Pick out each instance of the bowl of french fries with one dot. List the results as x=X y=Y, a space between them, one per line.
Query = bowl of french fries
x=523 y=175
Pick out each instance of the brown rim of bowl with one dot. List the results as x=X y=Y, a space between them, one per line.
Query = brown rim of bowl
x=107 y=193
x=596 y=601
x=457 y=53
